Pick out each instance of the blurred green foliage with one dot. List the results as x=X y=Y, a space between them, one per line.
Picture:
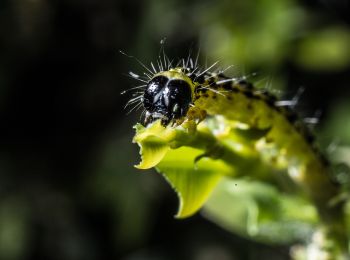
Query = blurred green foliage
x=261 y=212
x=67 y=184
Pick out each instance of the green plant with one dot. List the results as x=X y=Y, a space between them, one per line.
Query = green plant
x=244 y=156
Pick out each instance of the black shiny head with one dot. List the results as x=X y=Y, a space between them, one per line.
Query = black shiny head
x=166 y=99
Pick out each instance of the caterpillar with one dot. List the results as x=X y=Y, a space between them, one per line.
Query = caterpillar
x=175 y=94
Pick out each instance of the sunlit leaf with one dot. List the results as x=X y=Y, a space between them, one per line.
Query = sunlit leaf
x=152 y=151
x=152 y=146
x=193 y=182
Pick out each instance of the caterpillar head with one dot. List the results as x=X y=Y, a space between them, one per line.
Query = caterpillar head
x=168 y=96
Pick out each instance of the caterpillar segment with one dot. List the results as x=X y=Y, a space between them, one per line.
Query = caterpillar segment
x=288 y=143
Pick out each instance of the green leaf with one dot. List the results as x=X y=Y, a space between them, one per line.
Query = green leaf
x=188 y=159
x=192 y=182
x=152 y=150
x=259 y=211
x=152 y=146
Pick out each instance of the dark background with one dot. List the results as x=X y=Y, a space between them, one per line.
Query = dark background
x=68 y=189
